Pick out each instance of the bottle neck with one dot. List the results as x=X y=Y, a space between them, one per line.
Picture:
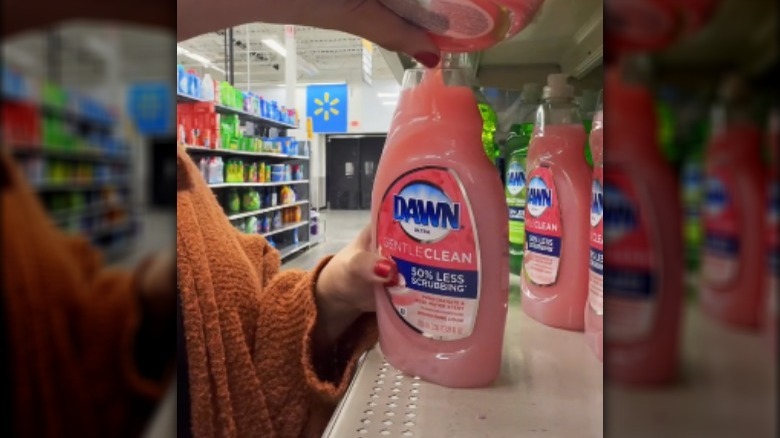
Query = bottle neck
x=558 y=111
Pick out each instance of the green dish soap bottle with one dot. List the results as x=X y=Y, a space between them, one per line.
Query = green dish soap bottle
x=518 y=138
x=587 y=104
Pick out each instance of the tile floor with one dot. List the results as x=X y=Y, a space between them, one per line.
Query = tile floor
x=341 y=226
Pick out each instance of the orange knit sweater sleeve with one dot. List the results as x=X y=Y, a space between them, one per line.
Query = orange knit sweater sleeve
x=248 y=327
x=71 y=324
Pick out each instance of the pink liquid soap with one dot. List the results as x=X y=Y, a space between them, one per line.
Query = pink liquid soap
x=733 y=265
x=643 y=285
x=439 y=212
x=594 y=310
x=554 y=279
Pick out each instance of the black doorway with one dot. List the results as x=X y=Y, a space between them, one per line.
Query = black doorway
x=351 y=164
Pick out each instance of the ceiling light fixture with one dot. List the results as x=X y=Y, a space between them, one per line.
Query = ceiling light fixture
x=387 y=94
x=275 y=46
x=199 y=58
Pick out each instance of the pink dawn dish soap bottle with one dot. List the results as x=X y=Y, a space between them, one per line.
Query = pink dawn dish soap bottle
x=732 y=269
x=594 y=308
x=554 y=281
x=439 y=212
x=643 y=263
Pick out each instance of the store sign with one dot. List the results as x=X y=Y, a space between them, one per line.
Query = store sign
x=151 y=107
x=327 y=106
x=368 y=61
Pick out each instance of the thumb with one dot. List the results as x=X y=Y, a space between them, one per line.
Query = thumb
x=394 y=33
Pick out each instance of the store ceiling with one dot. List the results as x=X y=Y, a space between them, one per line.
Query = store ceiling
x=336 y=56
x=90 y=54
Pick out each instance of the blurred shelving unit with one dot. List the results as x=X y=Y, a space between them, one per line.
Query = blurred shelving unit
x=67 y=147
x=291 y=237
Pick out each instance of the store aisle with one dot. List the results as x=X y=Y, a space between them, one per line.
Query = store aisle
x=157 y=231
x=341 y=226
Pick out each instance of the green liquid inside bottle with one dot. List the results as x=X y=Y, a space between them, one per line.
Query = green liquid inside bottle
x=489 y=123
x=517 y=152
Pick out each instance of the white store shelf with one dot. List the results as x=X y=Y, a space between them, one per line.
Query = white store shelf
x=550 y=385
x=285 y=228
x=266 y=210
x=292 y=249
x=253 y=184
x=205 y=150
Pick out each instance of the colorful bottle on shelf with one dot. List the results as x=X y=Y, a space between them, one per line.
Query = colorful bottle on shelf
x=554 y=282
x=587 y=104
x=732 y=266
x=772 y=281
x=517 y=142
x=594 y=309
x=439 y=212
x=644 y=272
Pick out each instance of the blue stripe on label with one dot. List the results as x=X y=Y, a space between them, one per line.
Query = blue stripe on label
x=541 y=244
x=517 y=214
x=445 y=282
x=723 y=244
x=620 y=282
x=597 y=261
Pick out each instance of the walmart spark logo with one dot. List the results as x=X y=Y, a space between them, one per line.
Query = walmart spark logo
x=327 y=107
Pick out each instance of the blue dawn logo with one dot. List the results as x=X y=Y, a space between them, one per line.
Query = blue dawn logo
x=596 y=203
x=619 y=214
x=539 y=197
x=515 y=178
x=715 y=198
x=425 y=212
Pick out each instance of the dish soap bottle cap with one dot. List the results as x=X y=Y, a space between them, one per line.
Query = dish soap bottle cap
x=557 y=86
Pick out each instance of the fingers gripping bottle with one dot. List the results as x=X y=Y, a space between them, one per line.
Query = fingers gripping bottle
x=594 y=309
x=554 y=282
x=516 y=154
x=439 y=212
x=467 y=25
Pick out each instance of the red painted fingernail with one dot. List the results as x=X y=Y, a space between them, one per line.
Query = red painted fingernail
x=428 y=59
x=393 y=281
x=385 y=268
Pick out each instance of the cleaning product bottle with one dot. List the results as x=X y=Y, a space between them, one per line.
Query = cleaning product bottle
x=693 y=139
x=516 y=152
x=732 y=270
x=554 y=282
x=772 y=282
x=594 y=310
x=643 y=282
x=439 y=213
x=467 y=25
x=207 y=86
x=587 y=104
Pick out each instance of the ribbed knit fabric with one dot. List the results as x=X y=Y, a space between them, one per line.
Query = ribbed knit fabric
x=248 y=328
x=70 y=324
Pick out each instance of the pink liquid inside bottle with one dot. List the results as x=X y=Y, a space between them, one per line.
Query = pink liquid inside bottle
x=732 y=271
x=643 y=264
x=554 y=279
x=594 y=309
x=439 y=212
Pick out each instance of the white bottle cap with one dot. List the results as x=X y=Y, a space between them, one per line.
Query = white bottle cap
x=558 y=86
x=532 y=93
